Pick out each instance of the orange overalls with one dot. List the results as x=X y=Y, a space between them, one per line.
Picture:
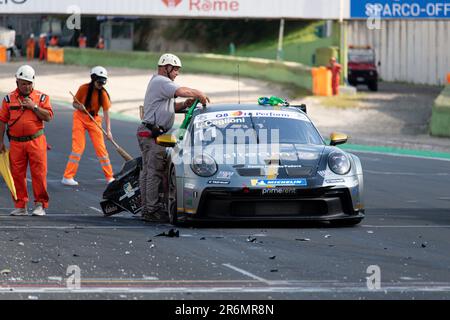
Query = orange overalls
x=335 y=77
x=82 y=42
x=82 y=123
x=42 y=48
x=27 y=145
x=31 y=44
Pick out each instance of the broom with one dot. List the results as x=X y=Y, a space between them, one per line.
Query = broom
x=119 y=150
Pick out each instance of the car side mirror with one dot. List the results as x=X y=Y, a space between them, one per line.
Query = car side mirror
x=338 y=138
x=166 y=140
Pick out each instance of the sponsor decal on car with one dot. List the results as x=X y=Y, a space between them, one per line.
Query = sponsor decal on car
x=307 y=155
x=225 y=175
x=217 y=122
x=111 y=208
x=278 y=191
x=189 y=186
x=218 y=182
x=322 y=173
x=129 y=191
x=278 y=182
x=246 y=113
x=334 y=181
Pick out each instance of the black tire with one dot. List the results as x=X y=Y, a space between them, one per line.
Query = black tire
x=346 y=222
x=373 y=86
x=172 y=197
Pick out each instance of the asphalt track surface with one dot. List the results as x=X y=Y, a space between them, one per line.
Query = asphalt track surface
x=405 y=233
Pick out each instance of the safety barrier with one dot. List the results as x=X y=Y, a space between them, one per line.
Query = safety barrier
x=55 y=55
x=3 y=55
x=295 y=75
x=321 y=81
x=440 y=117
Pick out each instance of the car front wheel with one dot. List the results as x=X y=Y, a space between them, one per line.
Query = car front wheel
x=172 y=198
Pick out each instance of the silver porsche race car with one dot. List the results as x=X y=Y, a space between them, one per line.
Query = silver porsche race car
x=253 y=162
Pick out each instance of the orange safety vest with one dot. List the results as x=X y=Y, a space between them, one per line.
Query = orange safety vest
x=82 y=42
x=23 y=122
x=31 y=43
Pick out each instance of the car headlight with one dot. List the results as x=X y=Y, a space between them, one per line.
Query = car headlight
x=339 y=163
x=204 y=165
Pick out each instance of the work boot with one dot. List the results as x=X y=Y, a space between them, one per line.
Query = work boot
x=19 y=212
x=39 y=210
x=69 y=182
x=157 y=216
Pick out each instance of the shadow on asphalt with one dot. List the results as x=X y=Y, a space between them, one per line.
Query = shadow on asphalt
x=262 y=224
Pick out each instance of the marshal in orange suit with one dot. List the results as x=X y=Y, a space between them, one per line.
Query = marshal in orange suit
x=23 y=113
x=94 y=97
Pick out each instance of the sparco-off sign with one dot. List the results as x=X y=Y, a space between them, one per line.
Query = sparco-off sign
x=401 y=9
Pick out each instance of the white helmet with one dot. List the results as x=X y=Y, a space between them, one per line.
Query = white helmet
x=25 y=72
x=99 y=72
x=169 y=59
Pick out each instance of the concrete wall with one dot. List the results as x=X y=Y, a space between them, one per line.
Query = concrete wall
x=410 y=51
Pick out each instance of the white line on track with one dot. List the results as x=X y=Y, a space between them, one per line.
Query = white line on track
x=387 y=173
x=338 y=288
x=410 y=226
x=398 y=155
x=246 y=273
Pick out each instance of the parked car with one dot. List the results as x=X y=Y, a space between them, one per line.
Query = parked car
x=362 y=68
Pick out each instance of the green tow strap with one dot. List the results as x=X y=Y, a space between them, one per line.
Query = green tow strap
x=187 y=119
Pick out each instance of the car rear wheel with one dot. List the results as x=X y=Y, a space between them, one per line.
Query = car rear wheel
x=172 y=198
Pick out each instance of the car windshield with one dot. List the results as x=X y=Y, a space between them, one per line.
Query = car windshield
x=254 y=127
x=361 y=56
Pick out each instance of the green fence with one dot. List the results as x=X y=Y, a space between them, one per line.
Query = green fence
x=440 y=118
x=294 y=75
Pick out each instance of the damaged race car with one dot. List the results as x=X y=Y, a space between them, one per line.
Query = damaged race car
x=253 y=162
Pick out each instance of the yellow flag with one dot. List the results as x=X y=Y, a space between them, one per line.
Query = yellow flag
x=5 y=172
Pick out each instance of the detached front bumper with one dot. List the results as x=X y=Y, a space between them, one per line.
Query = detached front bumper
x=237 y=204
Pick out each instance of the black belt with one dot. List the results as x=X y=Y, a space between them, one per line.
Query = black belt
x=156 y=130
x=27 y=138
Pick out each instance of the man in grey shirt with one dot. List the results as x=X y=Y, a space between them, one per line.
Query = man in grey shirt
x=159 y=115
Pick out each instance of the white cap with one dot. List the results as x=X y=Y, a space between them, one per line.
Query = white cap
x=169 y=59
x=99 y=71
x=25 y=72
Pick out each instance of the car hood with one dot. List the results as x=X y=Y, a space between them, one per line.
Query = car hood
x=283 y=160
